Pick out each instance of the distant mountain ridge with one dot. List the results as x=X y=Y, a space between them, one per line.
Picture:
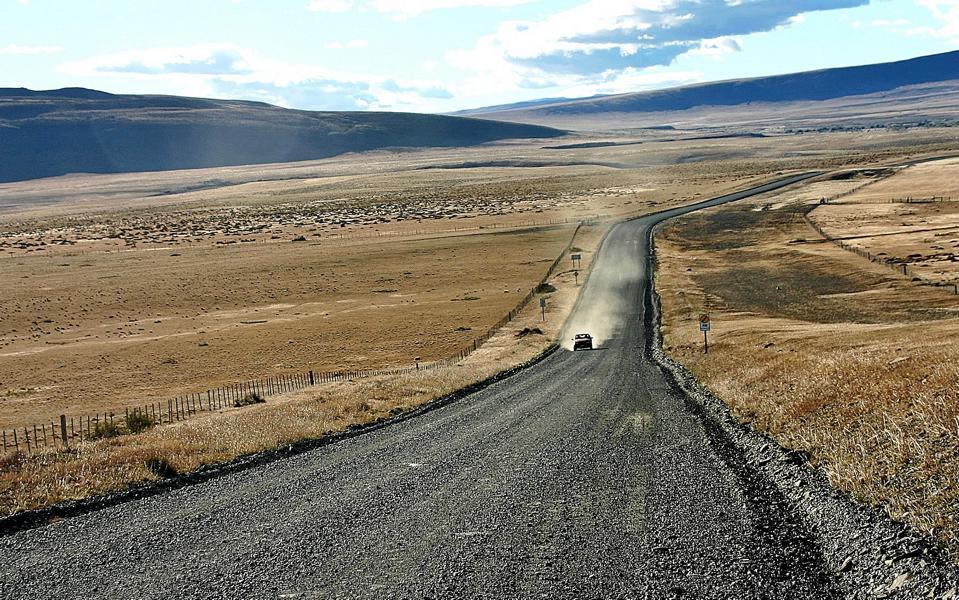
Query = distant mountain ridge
x=824 y=84
x=76 y=130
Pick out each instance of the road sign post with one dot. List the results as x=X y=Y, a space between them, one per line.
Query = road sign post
x=704 y=326
x=576 y=275
x=577 y=260
x=542 y=306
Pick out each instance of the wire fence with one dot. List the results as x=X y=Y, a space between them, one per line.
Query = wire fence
x=898 y=265
x=64 y=431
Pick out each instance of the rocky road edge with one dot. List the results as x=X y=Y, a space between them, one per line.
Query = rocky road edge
x=32 y=519
x=869 y=554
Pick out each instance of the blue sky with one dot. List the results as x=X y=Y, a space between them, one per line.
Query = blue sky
x=445 y=55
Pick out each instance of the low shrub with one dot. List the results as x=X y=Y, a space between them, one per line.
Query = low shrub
x=545 y=288
x=251 y=398
x=105 y=430
x=138 y=422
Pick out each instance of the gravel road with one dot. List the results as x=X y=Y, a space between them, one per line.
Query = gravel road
x=585 y=476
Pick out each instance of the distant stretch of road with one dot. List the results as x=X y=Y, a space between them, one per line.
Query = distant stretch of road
x=585 y=476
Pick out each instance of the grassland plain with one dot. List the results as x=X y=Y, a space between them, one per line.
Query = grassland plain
x=825 y=351
x=115 y=308
x=218 y=228
x=92 y=467
x=910 y=217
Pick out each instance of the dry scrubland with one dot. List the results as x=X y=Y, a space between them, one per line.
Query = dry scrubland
x=208 y=286
x=822 y=349
x=110 y=330
x=50 y=476
x=180 y=281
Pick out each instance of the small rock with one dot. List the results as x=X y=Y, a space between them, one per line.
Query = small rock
x=900 y=581
x=846 y=564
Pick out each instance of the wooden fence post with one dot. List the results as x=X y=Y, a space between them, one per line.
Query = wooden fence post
x=63 y=432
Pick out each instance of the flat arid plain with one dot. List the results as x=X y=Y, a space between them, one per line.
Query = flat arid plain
x=126 y=290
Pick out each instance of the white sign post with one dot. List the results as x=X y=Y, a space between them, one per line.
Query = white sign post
x=704 y=326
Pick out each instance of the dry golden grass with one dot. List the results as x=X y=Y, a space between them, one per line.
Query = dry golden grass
x=48 y=477
x=823 y=350
x=130 y=328
x=397 y=261
x=911 y=218
x=342 y=206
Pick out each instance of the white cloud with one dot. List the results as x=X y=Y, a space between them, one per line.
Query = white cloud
x=402 y=9
x=615 y=34
x=16 y=49
x=412 y=8
x=231 y=71
x=616 y=46
x=332 y=6
x=197 y=59
x=717 y=48
x=947 y=13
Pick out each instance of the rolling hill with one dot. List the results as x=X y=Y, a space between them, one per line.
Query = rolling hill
x=807 y=87
x=76 y=130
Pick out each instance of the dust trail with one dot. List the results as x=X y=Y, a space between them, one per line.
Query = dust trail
x=614 y=291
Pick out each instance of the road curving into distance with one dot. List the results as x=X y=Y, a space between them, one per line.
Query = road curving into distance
x=586 y=475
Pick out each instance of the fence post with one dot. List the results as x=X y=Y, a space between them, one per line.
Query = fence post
x=63 y=432
x=312 y=381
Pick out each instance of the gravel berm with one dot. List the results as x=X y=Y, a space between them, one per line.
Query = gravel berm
x=600 y=474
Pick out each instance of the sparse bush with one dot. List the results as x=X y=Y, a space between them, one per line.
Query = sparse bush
x=545 y=288
x=105 y=430
x=251 y=398
x=138 y=422
x=161 y=467
x=529 y=331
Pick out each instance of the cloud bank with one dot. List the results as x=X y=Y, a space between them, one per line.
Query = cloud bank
x=231 y=71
